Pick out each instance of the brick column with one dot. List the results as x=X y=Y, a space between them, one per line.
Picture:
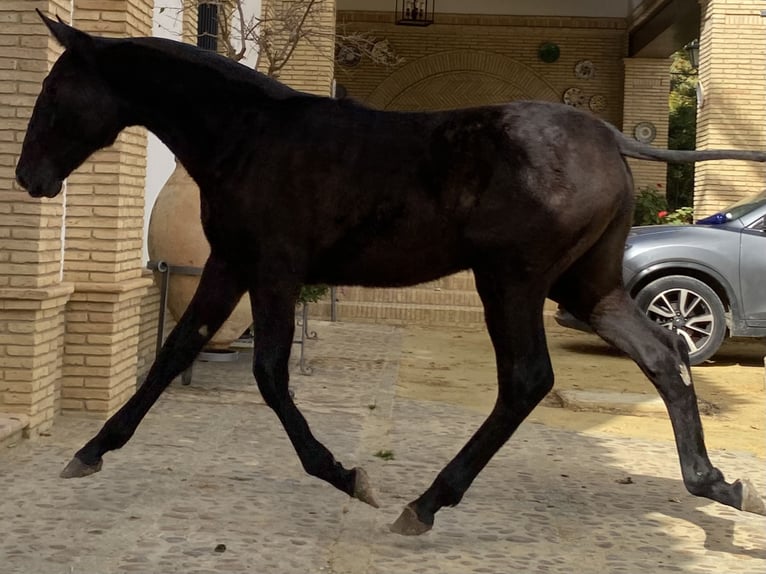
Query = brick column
x=104 y=231
x=732 y=71
x=647 y=89
x=32 y=297
x=311 y=67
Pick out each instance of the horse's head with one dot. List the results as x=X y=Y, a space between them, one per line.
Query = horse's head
x=75 y=115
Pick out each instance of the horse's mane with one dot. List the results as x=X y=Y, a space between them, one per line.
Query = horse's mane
x=206 y=62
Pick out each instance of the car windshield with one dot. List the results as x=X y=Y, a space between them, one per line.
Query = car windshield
x=744 y=206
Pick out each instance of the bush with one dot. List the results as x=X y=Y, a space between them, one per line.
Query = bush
x=312 y=293
x=680 y=216
x=649 y=204
x=652 y=209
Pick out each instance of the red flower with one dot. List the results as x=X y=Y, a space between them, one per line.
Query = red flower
x=662 y=214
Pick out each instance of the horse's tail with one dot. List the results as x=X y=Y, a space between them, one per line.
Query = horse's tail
x=635 y=149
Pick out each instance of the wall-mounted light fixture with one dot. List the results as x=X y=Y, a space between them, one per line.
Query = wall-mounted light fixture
x=415 y=12
x=693 y=52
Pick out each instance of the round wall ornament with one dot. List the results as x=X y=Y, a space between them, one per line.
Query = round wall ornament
x=645 y=132
x=575 y=97
x=584 y=70
x=347 y=56
x=548 y=52
x=597 y=103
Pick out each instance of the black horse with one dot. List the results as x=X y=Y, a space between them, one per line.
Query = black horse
x=536 y=198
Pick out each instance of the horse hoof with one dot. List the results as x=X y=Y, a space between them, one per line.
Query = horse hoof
x=363 y=489
x=751 y=500
x=408 y=523
x=76 y=468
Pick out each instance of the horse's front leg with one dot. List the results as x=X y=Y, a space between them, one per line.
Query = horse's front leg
x=218 y=293
x=274 y=319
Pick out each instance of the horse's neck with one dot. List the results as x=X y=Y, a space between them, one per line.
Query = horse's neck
x=189 y=109
x=185 y=124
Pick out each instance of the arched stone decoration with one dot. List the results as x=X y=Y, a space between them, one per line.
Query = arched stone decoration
x=459 y=78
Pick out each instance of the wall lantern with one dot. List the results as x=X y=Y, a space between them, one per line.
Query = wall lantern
x=693 y=52
x=415 y=12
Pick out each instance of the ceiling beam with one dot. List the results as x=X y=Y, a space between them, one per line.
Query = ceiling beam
x=671 y=26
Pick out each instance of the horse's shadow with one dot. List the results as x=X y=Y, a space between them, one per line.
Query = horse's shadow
x=718 y=529
x=557 y=487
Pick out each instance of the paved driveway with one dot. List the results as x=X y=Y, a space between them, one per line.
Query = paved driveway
x=210 y=466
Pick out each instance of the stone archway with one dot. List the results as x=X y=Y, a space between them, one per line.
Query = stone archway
x=459 y=78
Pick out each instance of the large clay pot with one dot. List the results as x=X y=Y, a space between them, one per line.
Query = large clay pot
x=176 y=237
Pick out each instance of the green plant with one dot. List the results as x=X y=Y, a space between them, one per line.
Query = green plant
x=312 y=293
x=652 y=209
x=680 y=216
x=385 y=454
x=682 y=129
x=649 y=204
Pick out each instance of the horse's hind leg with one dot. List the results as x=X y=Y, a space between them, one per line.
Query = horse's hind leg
x=663 y=356
x=274 y=319
x=592 y=290
x=513 y=314
x=217 y=295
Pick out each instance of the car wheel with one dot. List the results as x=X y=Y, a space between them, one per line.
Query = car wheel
x=689 y=307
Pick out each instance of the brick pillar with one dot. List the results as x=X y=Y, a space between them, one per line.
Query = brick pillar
x=104 y=232
x=311 y=67
x=32 y=296
x=647 y=89
x=732 y=71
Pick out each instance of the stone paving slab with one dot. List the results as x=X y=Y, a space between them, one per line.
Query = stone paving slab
x=611 y=402
x=210 y=465
x=12 y=427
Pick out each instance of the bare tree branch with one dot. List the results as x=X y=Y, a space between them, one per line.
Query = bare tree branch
x=280 y=30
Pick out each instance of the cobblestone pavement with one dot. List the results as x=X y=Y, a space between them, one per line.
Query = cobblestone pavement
x=211 y=466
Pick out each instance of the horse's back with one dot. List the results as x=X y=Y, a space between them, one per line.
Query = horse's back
x=391 y=198
x=423 y=195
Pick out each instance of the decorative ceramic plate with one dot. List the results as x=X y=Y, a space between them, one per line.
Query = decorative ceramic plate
x=575 y=97
x=347 y=56
x=584 y=70
x=597 y=103
x=382 y=52
x=645 y=132
x=548 y=52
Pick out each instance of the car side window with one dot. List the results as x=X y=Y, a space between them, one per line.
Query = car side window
x=759 y=226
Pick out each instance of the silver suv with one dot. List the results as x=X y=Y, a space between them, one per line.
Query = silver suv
x=703 y=281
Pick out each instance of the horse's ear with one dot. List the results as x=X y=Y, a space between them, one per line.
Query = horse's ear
x=70 y=38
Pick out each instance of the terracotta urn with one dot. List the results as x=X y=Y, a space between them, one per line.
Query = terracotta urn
x=176 y=237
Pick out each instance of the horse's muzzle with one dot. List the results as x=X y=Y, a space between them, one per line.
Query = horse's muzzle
x=21 y=180
x=49 y=188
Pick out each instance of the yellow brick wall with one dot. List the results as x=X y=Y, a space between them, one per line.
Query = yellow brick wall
x=32 y=298
x=311 y=66
x=30 y=248
x=647 y=88
x=105 y=211
x=31 y=352
x=105 y=196
x=515 y=39
x=189 y=22
x=733 y=75
x=101 y=339
x=104 y=235
x=147 y=335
